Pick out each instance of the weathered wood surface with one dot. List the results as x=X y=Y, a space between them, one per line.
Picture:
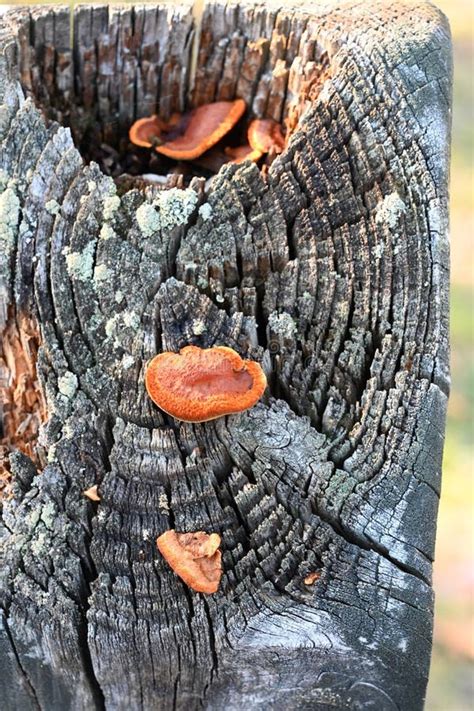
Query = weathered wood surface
x=331 y=269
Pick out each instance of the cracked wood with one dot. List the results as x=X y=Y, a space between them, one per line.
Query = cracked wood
x=330 y=268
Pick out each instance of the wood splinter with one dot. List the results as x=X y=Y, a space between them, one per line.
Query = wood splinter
x=92 y=493
x=194 y=557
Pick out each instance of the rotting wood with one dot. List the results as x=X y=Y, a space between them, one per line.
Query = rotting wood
x=22 y=406
x=330 y=268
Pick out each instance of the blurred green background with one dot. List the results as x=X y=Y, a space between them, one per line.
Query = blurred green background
x=451 y=686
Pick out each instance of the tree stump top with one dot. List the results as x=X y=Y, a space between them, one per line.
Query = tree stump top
x=329 y=266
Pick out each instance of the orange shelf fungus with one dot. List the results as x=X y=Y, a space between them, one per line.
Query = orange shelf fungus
x=207 y=125
x=263 y=136
x=194 y=557
x=197 y=131
x=187 y=137
x=144 y=131
x=147 y=132
x=201 y=384
x=242 y=153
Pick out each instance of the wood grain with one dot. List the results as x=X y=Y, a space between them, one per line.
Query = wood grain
x=331 y=269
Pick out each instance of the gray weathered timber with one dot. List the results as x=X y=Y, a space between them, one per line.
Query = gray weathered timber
x=331 y=268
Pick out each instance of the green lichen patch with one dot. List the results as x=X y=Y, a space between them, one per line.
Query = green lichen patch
x=53 y=207
x=111 y=325
x=48 y=514
x=111 y=205
x=106 y=232
x=127 y=319
x=52 y=454
x=79 y=264
x=205 y=211
x=127 y=361
x=67 y=384
x=282 y=324
x=4 y=178
x=102 y=273
x=9 y=217
x=176 y=206
x=39 y=544
x=131 y=319
x=198 y=327
x=148 y=220
x=389 y=210
x=170 y=208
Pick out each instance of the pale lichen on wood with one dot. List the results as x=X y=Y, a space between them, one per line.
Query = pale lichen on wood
x=329 y=267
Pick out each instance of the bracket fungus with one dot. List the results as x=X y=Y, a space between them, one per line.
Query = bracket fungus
x=264 y=135
x=145 y=131
x=239 y=154
x=194 y=557
x=201 y=384
x=188 y=137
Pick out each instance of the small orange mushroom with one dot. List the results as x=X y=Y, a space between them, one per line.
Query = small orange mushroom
x=194 y=557
x=311 y=578
x=201 y=384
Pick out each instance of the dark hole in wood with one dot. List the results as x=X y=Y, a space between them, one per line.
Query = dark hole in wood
x=126 y=158
x=91 y=87
x=118 y=157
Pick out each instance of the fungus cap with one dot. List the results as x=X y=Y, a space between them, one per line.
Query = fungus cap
x=144 y=130
x=207 y=125
x=239 y=154
x=201 y=384
x=194 y=557
x=265 y=134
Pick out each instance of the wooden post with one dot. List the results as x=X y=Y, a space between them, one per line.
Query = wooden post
x=330 y=268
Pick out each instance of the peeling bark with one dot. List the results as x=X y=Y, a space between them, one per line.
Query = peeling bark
x=330 y=268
